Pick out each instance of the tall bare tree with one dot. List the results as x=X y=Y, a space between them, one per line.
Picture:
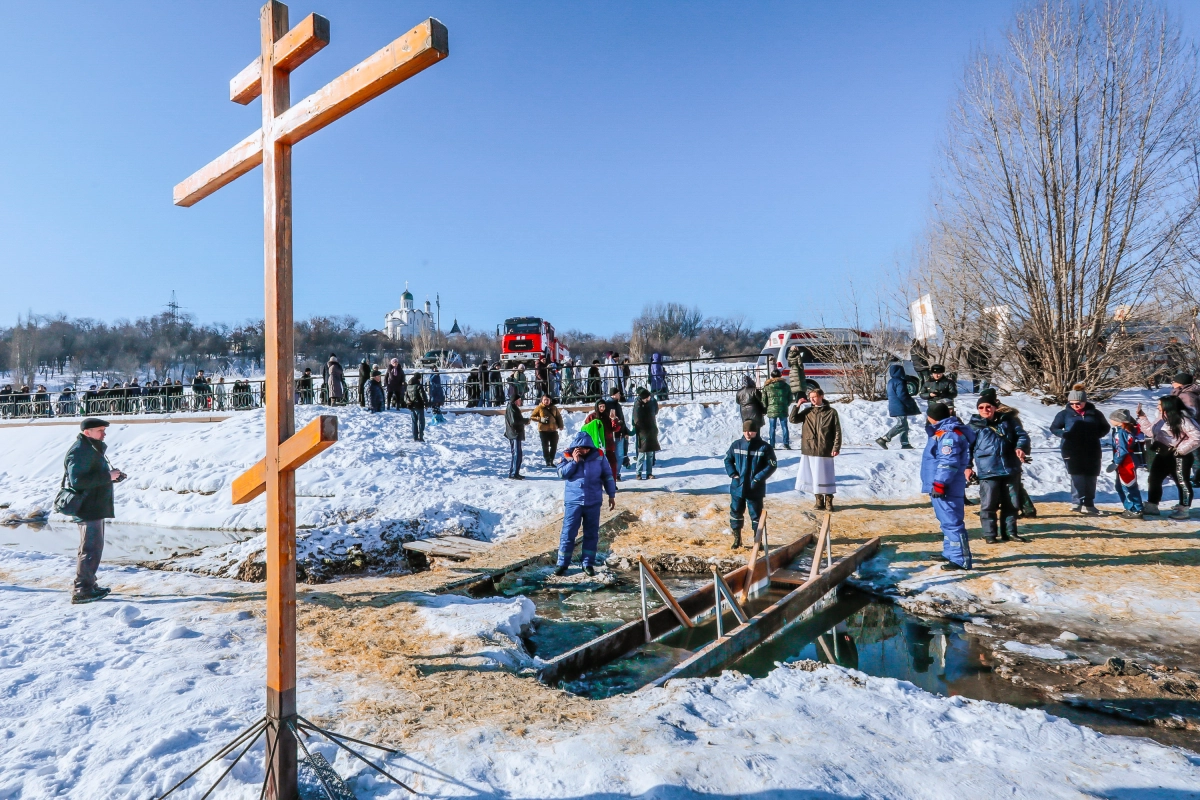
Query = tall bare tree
x=1066 y=193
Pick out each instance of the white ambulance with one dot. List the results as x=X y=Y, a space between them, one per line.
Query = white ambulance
x=828 y=354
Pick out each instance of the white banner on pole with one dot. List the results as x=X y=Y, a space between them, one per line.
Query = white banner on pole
x=923 y=322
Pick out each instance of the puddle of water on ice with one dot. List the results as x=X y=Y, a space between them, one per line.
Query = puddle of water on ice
x=123 y=544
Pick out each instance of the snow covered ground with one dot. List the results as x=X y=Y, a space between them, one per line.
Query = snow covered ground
x=122 y=698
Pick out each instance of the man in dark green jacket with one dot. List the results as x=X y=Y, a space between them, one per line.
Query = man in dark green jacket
x=89 y=474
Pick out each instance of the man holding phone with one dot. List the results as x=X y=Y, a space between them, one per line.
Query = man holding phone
x=91 y=478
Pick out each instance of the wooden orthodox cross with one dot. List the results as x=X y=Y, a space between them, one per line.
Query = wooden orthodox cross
x=283 y=125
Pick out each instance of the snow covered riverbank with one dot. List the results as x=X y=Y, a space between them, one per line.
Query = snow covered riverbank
x=122 y=698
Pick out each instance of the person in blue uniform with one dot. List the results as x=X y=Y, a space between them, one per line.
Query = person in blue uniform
x=589 y=477
x=945 y=470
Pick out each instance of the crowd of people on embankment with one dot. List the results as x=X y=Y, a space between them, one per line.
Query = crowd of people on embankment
x=987 y=446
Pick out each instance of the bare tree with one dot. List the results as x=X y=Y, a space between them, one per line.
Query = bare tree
x=1066 y=192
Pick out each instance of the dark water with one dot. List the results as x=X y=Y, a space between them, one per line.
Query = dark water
x=853 y=630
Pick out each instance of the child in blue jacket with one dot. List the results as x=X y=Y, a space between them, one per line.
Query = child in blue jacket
x=1127 y=456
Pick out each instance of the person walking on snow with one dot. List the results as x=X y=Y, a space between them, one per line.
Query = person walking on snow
x=1081 y=427
x=901 y=406
x=514 y=431
x=645 y=429
x=1128 y=454
x=658 y=377
x=1175 y=437
x=820 y=443
x=589 y=478
x=549 y=421
x=375 y=396
x=749 y=461
x=89 y=479
x=416 y=401
x=1001 y=445
x=945 y=469
x=778 y=396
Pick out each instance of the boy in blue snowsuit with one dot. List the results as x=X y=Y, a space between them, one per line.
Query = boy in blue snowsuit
x=588 y=477
x=944 y=468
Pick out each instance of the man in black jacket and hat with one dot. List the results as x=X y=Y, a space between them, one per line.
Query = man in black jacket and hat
x=89 y=475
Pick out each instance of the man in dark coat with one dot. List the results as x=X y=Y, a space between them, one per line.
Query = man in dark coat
x=364 y=377
x=748 y=463
x=940 y=388
x=1000 y=447
x=645 y=428
x=88 y=473
x=900 y=407
x=1081 y=427
x=514 y=431
x=749 y=400
x=394 y=383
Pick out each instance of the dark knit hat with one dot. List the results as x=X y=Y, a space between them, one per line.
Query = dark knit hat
x=989 y=395
x=1184 y=379
x=643 y=392
x=938 y=411
x=92 y=422
x=938 y=368
x=749 y=425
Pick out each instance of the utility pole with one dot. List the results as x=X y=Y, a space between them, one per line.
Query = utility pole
x=438 y=299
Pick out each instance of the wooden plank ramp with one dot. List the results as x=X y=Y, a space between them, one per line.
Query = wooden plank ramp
x=620 y=641
x=455 y=548
x=790 y=608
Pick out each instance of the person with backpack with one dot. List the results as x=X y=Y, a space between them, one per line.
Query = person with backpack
x=416 y=401
x=1081 y=427
x=1001 y=445
x=778 y=396
x=1175 y=437
x=900 y=407
x=945 y=470
x=589 y=478
x=1128 y=454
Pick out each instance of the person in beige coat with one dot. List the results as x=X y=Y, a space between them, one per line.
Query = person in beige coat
x=549 y=421
x=820 y=444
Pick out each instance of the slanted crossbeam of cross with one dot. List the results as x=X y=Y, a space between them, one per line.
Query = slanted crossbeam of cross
x=283 y=125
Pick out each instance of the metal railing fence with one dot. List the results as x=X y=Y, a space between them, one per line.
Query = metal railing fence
x=685 y=379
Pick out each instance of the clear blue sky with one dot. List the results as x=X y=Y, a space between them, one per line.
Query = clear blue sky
x=571 y=160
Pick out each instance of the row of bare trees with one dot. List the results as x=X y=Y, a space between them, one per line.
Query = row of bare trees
x=1064 y=244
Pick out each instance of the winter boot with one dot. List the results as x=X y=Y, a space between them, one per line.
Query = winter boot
x=882 y=442
x=591 y=572
x=907 y=447
x=1150 y=509
x=819 y=502
x=98 y=593
x=1129 y=514
x=737 y=541
x=829 y=502
x=1180 y=512
x=561 y=569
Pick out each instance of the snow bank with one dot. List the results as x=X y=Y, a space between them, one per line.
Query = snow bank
x=122 y=698
x=824 y=733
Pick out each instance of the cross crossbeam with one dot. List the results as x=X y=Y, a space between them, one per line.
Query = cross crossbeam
x=304 y=445
x=420 y=48
x=297 y=46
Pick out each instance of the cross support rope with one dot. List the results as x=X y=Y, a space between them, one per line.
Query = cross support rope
x=283 y=125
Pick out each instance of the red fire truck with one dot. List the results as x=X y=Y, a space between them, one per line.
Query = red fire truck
x=526 y=338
